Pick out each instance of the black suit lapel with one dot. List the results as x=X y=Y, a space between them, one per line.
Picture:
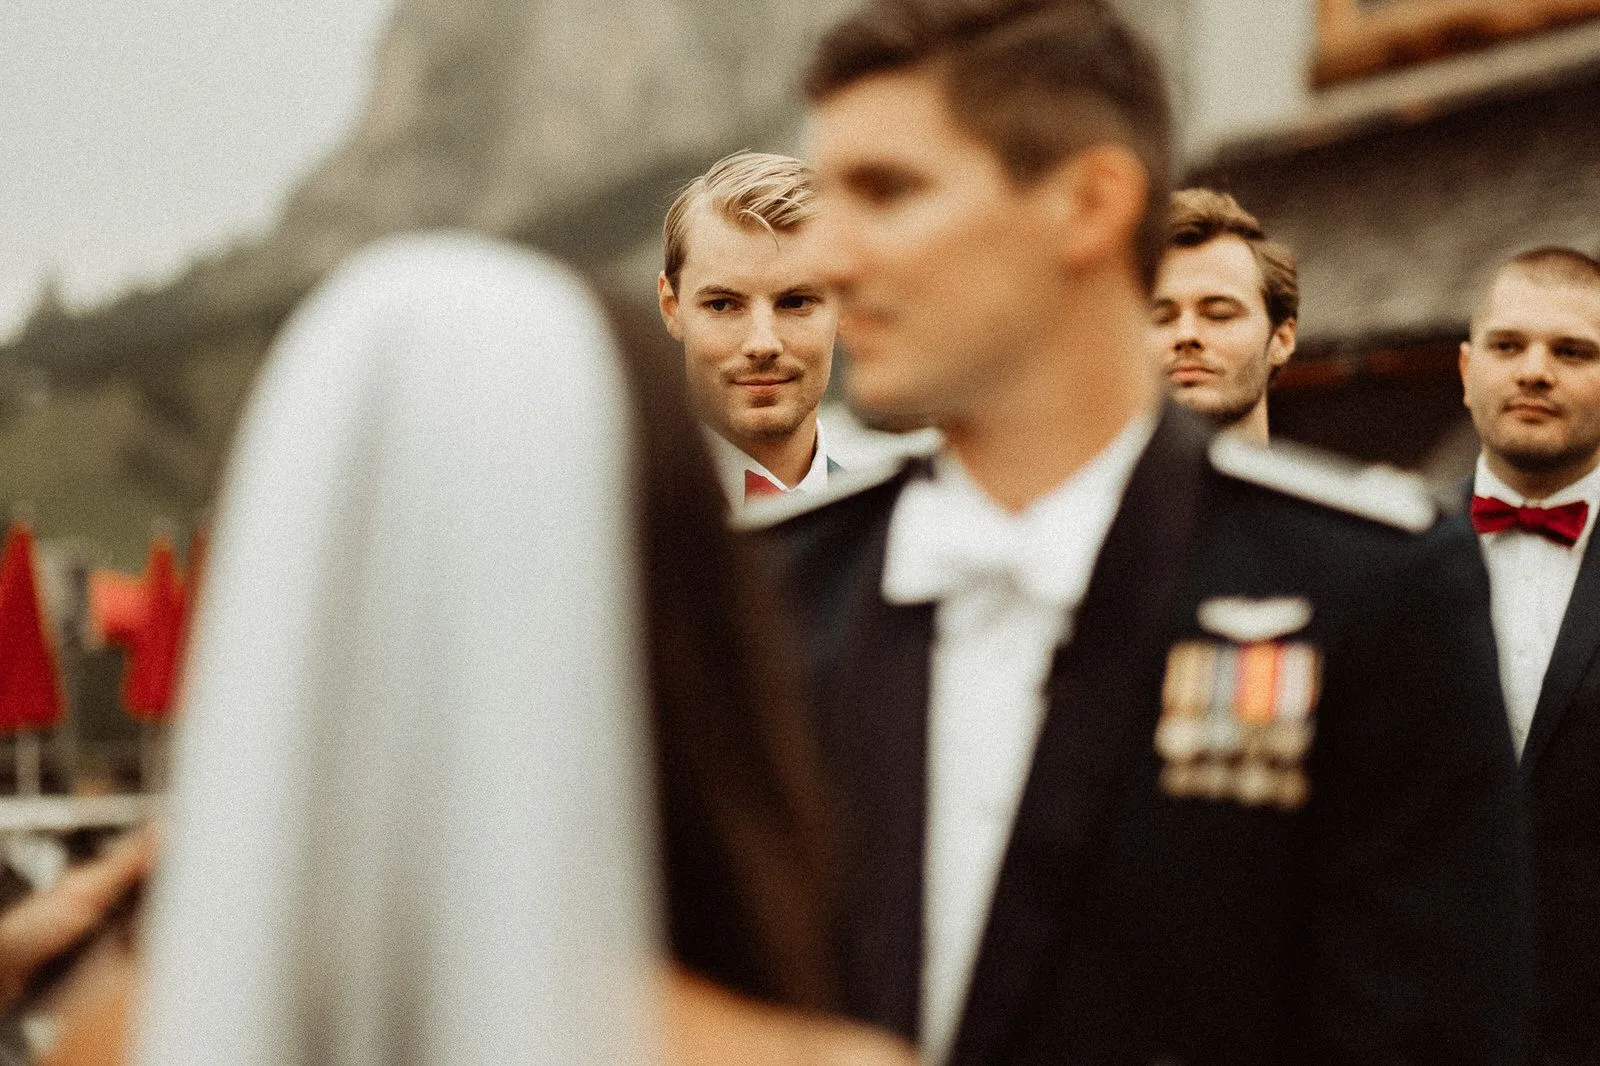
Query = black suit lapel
x=1575 y=648
x=1100 y=713
x=875 y=737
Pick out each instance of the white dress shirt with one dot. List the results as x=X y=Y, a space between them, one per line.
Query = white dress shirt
x=1530 y=582
x=731 y=463
x=1007 y=588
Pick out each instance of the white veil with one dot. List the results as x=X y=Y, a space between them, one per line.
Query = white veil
x=411 y=820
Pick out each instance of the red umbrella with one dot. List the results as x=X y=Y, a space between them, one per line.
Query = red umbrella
x=30 y=684
x=146 y=616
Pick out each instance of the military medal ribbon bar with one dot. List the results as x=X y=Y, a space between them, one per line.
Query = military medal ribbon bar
x=1237 y=720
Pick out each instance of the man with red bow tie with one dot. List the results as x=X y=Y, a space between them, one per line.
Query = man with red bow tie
x=1531 y=372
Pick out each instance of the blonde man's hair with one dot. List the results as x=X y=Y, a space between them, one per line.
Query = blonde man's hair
x=773 y=192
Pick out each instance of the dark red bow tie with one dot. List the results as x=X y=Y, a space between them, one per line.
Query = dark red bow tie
x=1562 y=524
x=756 y=485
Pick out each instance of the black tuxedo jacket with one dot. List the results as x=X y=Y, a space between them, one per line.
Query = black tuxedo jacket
x=1560 y=769
x=1385 y=921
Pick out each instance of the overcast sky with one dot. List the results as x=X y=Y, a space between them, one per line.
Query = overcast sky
x=134 y=135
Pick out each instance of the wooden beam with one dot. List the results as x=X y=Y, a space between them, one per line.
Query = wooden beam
x=1355 y=38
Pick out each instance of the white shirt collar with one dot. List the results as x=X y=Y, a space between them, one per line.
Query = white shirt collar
x=945 y=533
x=731 y=462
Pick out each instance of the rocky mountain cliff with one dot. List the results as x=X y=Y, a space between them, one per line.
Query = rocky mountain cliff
x=565 y=123
x=562 y=122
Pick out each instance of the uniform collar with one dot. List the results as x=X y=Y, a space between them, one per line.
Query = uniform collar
x=947 y=533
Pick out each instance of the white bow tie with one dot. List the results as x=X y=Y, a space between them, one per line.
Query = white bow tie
x=942 y=540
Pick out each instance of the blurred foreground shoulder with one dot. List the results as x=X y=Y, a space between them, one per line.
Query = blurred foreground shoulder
x=1378 y=493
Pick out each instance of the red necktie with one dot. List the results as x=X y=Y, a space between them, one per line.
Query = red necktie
x=1562 y=524
x=756 y=485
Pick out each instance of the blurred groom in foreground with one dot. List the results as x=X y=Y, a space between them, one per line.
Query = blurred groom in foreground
x=1150 y=746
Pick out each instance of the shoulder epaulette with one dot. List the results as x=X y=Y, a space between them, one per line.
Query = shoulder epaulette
x=1380 y=493
x=766 y=511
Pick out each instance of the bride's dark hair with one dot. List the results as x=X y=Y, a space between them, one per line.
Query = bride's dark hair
x=746 y=825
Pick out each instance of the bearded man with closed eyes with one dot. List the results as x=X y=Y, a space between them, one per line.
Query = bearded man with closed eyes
x=1222 y=320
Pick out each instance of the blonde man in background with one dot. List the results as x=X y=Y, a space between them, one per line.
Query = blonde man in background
x=739 y=289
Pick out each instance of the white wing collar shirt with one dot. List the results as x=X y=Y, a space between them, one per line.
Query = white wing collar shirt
x=1007 y=588
x=1530 y=582
x=732 y=463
